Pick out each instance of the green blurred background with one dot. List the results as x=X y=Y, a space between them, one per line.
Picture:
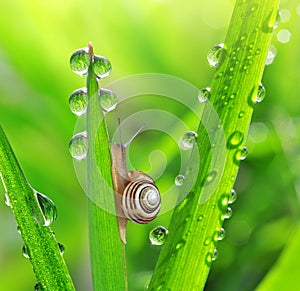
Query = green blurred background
x=153 y=36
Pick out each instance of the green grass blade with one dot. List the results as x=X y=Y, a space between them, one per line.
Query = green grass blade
x=186 y=258
x=284 y=275
x=107 y=250
x=42 y=247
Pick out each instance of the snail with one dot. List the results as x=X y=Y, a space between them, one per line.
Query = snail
x=137 y=197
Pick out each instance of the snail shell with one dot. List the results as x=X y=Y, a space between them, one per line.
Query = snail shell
x=136 y=195
x=140 y=201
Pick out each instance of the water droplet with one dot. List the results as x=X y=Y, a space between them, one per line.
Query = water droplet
x=18 y=229
x=241 y=154
x=207 y=241
x=227 y=213
x=108 y=100
x=200 y=218
x=179 y=180
x=212 y=256
x=47 y=208
x=268 y=24
x=241 y=114
x=6 y=200
x=232 y=96
x=232 y=196
x=61 y=248
x=179 y=245
x=215 y=255
x=277 y=20
x=158 y=235
x=235 y=139
x=261 y=93
x=78 y=145
x=216 y=54
x=188 y=140
x=78 y=101
x=204 y=95
x=210 y=177
x=38 y=287
x=219 y=234
x=101 y=67
x=79 y=61
x=25 y=252
x=223 y=202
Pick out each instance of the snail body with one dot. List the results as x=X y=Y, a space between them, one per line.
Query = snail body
x=137 y=197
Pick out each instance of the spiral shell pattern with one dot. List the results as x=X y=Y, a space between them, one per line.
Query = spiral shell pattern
x=141 y=201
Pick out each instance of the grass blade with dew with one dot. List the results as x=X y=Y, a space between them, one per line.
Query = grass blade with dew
x=30 y=210
x=195 y=227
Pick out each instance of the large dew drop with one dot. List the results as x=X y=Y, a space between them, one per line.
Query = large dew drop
x=48 y=209
x=228 y=213
x=235 y=139
x=101 y=67
x=158 y=235
x=25 y=252
x=79 y=61
x=61 y=248
x=216 y=54
x=204 y=95
x=78 y=146
x=179 y=180
x=212 y=256
x=108 y=100
x=188 y=140
x=261 y=93
x=78 y=101
x=219 y=235
x=232 y=196
x=241 y=154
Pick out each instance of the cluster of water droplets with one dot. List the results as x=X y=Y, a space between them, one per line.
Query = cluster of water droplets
x=214 y=56
x=44 y=213
x=235 y=141
x=78 y=101
x=225 y=206
x=80 y=61
x=186 y=142
x=283 y=35
x=26 y=253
